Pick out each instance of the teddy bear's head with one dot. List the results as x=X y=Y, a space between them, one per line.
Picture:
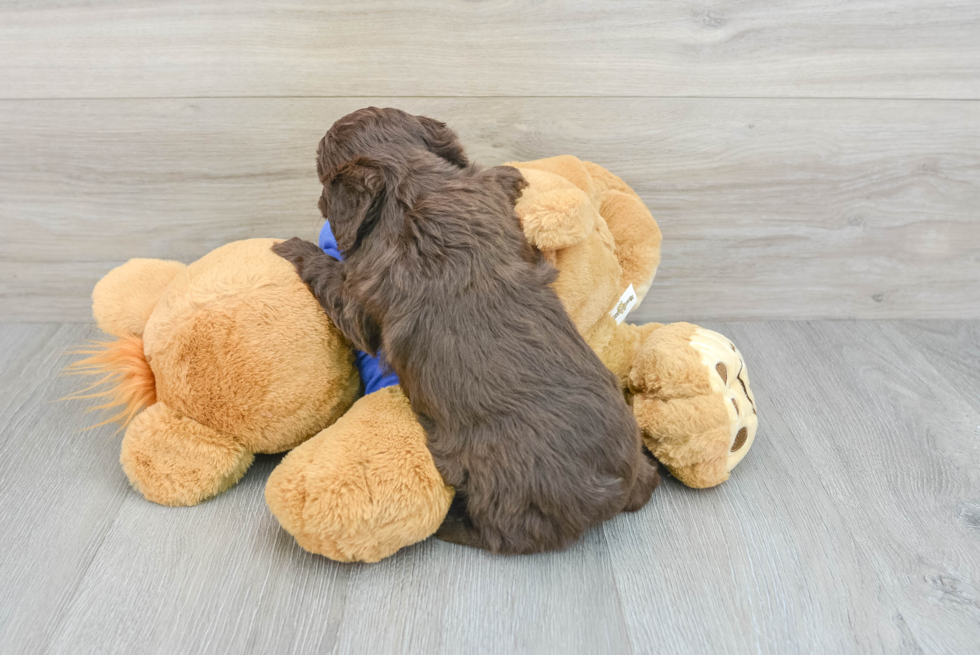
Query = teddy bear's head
x=232 y=355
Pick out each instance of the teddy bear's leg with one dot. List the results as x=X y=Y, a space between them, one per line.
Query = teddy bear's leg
x=123 y=300
x=174 y=460
x=691 y=397
x=617 y=345
x=364 y=487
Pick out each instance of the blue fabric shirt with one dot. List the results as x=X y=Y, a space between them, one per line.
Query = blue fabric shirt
x=373 y=371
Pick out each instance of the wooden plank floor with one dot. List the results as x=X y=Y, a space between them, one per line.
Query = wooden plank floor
x=852 y=526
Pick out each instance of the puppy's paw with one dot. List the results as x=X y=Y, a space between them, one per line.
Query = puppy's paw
x=298 y=252
x=511 y=181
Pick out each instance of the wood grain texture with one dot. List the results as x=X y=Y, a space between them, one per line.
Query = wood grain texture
x=952 y=345
x=878 y=426
x=852 y=526
x=816 y=48
x=769 y=208
x=220 y=577
x=60 y=488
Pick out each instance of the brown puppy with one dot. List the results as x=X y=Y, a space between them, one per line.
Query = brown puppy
x=522 y=417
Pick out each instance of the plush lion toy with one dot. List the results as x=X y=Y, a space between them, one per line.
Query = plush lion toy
x=232 y=356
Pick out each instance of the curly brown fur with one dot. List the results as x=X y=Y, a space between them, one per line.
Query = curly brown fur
x=522 y=417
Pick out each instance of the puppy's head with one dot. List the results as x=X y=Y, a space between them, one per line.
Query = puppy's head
x=363 y=160
x=368 y=131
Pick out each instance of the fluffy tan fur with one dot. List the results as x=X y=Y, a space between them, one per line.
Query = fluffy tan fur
x=123 y=300
x=364 y=487
x=685 y=422
x=174 y=460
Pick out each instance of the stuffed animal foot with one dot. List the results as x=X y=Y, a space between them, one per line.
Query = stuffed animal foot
x=174 y=460
x=364 y=487
x=691 y=397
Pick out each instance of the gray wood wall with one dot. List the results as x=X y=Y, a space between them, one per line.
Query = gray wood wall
x=815 y=159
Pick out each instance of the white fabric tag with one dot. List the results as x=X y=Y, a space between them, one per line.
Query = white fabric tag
x=626 y=302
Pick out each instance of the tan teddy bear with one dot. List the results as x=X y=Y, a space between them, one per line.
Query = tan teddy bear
x=232 y=356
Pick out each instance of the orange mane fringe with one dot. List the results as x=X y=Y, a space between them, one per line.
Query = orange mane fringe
x=124 y=373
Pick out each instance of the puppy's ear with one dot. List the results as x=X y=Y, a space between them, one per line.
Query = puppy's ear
x=354 y=194
x=360 y=176
x=441 y=140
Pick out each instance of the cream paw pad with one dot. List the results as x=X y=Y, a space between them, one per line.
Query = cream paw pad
x=731 y=380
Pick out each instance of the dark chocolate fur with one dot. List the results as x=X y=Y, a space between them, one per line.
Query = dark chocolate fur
x=523 y=418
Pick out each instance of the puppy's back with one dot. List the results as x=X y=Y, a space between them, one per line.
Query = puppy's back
x=542 y=445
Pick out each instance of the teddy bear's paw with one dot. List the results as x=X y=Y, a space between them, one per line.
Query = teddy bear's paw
x=692 y=399
x=729 y=377
x=123 y=300
x=174 y=460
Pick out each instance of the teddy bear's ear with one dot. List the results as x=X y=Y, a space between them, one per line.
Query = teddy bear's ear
x=123 y=300
x=555 y=214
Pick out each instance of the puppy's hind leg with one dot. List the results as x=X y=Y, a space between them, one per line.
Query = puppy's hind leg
x=647 y=479
x=457 y=528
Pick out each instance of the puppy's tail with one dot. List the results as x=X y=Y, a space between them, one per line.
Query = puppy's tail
x=125 y=378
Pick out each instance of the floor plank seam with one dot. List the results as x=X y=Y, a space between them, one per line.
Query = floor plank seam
x=76 y=588
x=603 y=531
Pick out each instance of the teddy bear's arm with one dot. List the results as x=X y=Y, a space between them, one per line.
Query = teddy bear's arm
x=323 y=275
